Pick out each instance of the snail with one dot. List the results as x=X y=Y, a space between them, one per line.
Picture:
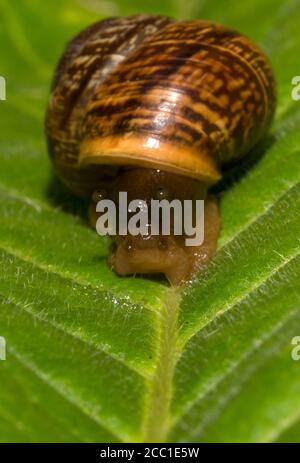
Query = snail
x=157 y=108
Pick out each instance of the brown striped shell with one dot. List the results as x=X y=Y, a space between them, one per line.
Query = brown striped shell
x=189 y=97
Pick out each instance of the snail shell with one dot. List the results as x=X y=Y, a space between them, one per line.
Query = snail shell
x=189 y=97
x=174 y=103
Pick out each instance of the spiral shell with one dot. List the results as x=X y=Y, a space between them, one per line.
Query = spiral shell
x=189 y=97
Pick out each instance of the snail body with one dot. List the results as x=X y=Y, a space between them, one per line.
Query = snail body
x=149 y=104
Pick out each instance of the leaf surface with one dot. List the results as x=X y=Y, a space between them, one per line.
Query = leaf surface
x=96 y=358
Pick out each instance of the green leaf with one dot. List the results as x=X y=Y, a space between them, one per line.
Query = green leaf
x=92 y=357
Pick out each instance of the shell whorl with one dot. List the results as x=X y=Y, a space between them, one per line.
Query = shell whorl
x=188 y=96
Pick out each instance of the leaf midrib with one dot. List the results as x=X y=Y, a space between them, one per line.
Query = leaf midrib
x=164 y=326
x=156 y=412
x=157 y=417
